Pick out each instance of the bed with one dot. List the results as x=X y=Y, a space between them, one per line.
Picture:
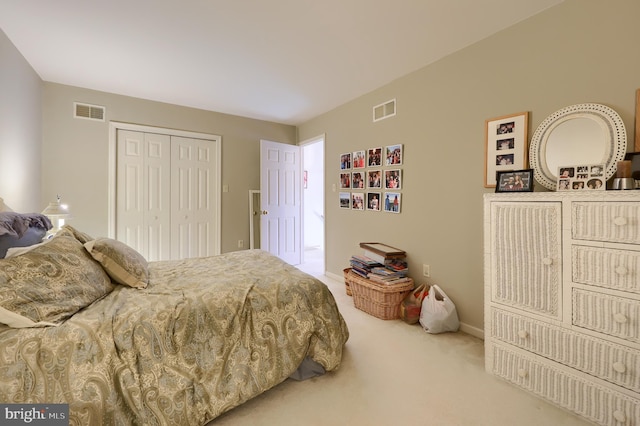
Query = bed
x=90 y=323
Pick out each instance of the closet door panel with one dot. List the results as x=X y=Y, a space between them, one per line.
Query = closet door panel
x=192 y=192
x=157 y=211
x=130 y=190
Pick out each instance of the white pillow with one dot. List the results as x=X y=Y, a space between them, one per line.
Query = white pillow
x=17 y=251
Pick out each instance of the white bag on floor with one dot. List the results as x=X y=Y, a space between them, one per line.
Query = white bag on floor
x=438 y=313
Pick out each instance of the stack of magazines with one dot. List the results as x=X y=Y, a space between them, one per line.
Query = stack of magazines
x=381 y=264
x=362 y=265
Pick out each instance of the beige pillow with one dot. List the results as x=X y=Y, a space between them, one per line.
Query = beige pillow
x=80 y=236
x=123 y=264
x=50 y=283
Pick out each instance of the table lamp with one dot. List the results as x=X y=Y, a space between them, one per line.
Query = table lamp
x=57 y=213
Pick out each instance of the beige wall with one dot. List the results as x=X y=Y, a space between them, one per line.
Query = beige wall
x=20 y=130
x=75 y=153
x=580 y=51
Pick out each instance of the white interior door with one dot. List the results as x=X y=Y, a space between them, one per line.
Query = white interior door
x=280 y=200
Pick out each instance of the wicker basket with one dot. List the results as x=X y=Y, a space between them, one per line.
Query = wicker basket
x=346 y=280
x=380 y=300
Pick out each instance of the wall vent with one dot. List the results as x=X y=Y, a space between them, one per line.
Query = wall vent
x=384 y=110
x=88 y=112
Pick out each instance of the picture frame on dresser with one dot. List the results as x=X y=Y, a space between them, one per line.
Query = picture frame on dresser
x=515 y=181
x=506 y=145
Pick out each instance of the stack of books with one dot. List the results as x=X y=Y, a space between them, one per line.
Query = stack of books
x=362 y=265
x=391 y=266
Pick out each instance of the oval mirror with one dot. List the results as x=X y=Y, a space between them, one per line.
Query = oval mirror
x=577 y=135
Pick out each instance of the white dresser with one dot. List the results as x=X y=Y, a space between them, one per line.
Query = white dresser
x=562 y=299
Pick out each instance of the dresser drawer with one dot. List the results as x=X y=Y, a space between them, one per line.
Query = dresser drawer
x=614 y=363
x=611 y=222
x=611 y=315
x=545 y=379
x=615 y=269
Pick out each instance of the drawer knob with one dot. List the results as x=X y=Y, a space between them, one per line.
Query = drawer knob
x=621 y=270
x=619 y=416
x=523 y=334
x=619 y=367
x=620 y=318
x=547 y=261
x=620 y=221
x=522 y=373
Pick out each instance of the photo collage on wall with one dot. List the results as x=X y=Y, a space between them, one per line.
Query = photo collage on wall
x=373 y=178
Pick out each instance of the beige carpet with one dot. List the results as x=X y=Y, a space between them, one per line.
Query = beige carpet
x=397 y=374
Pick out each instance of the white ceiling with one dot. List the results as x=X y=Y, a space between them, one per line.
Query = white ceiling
x=280 y=60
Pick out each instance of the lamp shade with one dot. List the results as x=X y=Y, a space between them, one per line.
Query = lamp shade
x=57 y=210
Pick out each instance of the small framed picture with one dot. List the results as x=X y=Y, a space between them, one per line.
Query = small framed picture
x=393 y=155
x=392 y=202
x=345 y=180
x=515 y=181
x=359 y=161
x=582 y=177
x=374 y=179
x=374 y=157
x=392 y=179
x=357 y=180
x=345 y=200
x=357 y=201
x=505 y=146
x=345 y=161
x=373 y=201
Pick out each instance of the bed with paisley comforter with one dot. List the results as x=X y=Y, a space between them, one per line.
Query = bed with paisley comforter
x=90 y=323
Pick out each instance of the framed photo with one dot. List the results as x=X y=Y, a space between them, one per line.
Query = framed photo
x=357 y=180
x=505 y=145
x=392 y=179
x=392 y=202
x=515 y=181
x=374 y=179
x=359 y=161
x=357 y=201
x=582 y=177
x=374 y=157
x=345 y=180
x=393 y=155
x=345 y=161
x=345 y=200
x=373 y=201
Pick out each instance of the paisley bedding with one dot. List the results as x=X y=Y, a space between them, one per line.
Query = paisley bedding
x=202 y=337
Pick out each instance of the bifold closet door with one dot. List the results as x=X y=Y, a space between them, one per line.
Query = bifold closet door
x=143 y=218
x=193 y=180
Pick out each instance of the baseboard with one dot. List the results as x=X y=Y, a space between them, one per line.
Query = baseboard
x=334 y=276
x=474 y=331
x=465 y=328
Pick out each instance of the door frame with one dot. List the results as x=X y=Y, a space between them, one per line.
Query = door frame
x=316 y=139
x=114 y=126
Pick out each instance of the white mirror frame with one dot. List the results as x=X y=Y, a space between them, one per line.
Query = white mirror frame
x=614 y=143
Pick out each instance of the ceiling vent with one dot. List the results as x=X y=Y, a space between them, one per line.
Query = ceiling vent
x=89 y=112
x=384 y=110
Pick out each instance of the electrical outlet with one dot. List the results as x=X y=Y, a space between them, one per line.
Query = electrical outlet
x=240 y=243
x=426 y=270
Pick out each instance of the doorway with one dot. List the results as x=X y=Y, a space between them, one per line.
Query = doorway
x=313 y=185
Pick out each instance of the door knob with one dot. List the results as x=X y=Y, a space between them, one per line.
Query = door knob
x=265 y=212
